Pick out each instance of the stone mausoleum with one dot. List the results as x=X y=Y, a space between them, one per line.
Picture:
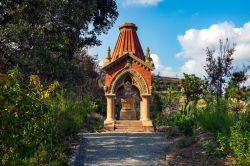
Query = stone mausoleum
x=128 y=83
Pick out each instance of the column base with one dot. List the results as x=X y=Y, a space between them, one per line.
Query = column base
x=109 y=125
x=147 y=125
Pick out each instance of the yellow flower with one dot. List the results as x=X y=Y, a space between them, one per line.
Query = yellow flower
x=201 y=103
x=46 y=94
x=182 y=100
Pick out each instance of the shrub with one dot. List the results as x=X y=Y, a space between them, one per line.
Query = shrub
x=223 y=141
x=215 y=119
x=185 y=124
x=68 y=116
x=209 y=145
x=185 y=142
x=93 y=122
x=160 y=120
x=25 y=117
x=38 y=121
x=240 y=139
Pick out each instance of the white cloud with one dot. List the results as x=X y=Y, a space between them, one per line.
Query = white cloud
x=160 y=69
x=189 y=68
x=141 y=2
x=194 y=41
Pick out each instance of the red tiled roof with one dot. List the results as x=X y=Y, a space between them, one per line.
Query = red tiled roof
x=127 y=42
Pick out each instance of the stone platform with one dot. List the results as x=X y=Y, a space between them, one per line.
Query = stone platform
x=129 y=126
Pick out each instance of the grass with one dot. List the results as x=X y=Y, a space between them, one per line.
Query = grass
x=215 y=120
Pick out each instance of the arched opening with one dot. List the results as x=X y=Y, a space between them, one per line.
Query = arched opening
x=137 y=102
x=128 y=79
x=136 y=79
x=124 y=93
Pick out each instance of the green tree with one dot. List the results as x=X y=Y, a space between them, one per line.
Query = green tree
x=235 y=88
x=50 y=38
x=218 y=67
x=193 y=87
x=157 y=103
x=171 y=96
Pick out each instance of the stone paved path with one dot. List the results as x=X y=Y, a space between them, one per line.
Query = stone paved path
x=128 y=149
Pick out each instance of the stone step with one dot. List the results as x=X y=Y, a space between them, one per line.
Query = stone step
x=129 y=130
x=130 y=121
x=132 y=128
x=128 y=126
x=125 y=127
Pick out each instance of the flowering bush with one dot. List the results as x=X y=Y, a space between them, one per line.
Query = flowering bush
x=24 y=116
x=38 y=123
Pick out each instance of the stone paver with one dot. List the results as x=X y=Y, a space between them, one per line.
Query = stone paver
x=128 y=149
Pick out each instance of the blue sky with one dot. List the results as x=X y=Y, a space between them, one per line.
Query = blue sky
x=173 y=29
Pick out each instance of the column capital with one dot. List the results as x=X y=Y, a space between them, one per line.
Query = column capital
x=110 y=95
x=146 y=95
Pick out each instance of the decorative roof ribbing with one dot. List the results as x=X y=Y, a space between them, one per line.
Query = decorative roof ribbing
x=127 y=42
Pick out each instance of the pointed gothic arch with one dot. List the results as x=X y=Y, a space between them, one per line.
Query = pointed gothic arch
x=137 y=80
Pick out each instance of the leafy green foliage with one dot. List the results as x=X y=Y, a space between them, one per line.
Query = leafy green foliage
x=157 y=103
x=223 y=141
x=160 y=120
x=37 y=123
x=235 y=90
x=93 y=123
x=170 y=94
x=215 y=118
x=209 y=145
x=186 y=124
x=232 y=133
x=24 y=117
x=193 y=87
x=239 y=139
x=50 y=38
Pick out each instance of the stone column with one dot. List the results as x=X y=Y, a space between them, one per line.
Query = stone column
x=141 y=103
x=145 y=108
x=145 y=117
x=109 y=123
x=110 y=108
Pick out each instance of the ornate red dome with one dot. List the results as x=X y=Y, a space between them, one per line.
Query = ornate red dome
x=127 y=42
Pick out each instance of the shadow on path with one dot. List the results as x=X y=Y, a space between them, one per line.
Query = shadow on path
x=108 y=149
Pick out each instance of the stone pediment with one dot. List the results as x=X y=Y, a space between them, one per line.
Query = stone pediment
x=132 y=58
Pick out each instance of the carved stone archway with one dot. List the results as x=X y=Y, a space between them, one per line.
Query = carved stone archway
x=128 y=59
x=137 y=79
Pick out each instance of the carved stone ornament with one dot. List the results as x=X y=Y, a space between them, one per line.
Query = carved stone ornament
x=140 y=81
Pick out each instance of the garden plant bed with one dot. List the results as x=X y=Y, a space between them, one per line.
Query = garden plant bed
x=190 y=151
